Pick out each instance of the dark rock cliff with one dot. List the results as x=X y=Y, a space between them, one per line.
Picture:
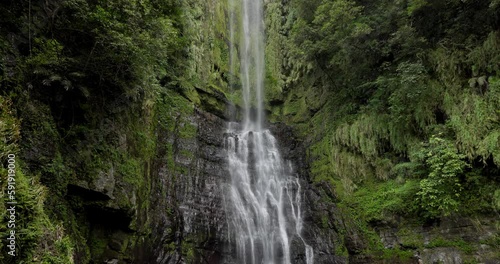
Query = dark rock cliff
x=194 y=221
x=317 y=209
x=187 y=215
x=193 y=228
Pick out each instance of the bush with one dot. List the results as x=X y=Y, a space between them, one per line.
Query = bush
x=440 y=191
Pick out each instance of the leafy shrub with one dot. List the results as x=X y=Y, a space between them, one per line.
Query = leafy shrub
x=440 y=191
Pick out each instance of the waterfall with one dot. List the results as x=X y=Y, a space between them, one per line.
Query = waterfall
x=263 y=200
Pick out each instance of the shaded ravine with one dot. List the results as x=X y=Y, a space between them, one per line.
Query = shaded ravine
x=263 y=200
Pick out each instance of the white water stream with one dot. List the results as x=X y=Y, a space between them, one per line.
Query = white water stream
x=263 y=200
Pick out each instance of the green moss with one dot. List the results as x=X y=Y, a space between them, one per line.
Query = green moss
x=213 y=104
x=397 y=254
x=274 y=81
x=324 y=221
x=99 y=244
x=493 y=241
x=340 y=248
x=460 y=244
x=186 y=153
x=296 y=110
x=190 y=93
x=131 y=171
x=63 y=254
x=32 y=223
x=208 y=58
x=236 y=97
x=409 y=238
x=170 y=247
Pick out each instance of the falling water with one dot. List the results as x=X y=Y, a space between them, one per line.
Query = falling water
x=263 y=200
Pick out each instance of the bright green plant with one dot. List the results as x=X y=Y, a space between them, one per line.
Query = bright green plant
x=440 y=192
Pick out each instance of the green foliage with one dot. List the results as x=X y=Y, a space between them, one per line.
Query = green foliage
x=484 y=58
x=60 y=252
x=379 y=201
x=396 y=74
x=127 y=46
x=130 y=170
x=408 y=237
x=475 y=120
x=496 y=200
x=37 y=238
x=440 y=192
x=9 y=129
x=365 y=135
x=188 y=251
x=208 y=59
x=414 y=101
x=274 y=81
x=390 y=75
x=464 y=246
x=94 y=82
x=338 y=24
x=47 y=62
x=134 y=41
x=415 y=5
x=397 y=254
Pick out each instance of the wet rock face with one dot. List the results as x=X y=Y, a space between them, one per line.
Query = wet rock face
x=179 y=216
x=187 y=214
x=317 y=232
x=450 y=240
x=188 y=208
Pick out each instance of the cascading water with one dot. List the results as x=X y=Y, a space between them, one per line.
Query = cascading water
x=263 y=200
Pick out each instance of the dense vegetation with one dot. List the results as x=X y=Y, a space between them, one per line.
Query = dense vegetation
x=402 y=99
x=414 y=93
x=399 y=100
x=86 y=87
